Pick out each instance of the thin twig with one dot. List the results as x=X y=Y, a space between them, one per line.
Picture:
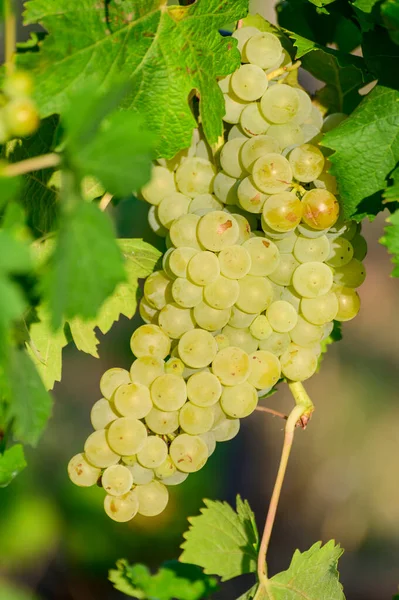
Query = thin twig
x=45 y=161
x=276 y=413
x=105 y=200
x=283 y=70
x=10 y=35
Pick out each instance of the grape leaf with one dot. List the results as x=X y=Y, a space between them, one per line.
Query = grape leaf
x=365 y=5
x=391 y=240
x=9 y=189
x=173 y=580
x=391 y=193
x=166 y=52
x=390 y=16
x=222 y=541
x=11 y=592
x=250 y=594
x=12 y=462
x=366 y=147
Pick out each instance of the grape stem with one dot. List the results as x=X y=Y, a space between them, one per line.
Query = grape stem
x=105 y=200
x=271 y=411
x=45 y=161
x=10 y=35
x=282 y=70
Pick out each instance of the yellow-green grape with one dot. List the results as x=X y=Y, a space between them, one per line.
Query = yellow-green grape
x=179 y=258
x=217 y=230
x=252 y=121
x=276 y=343
x=241 y=319
x=241 y=338
x=225 y=188
x=195 y=176
x=162 y=422
x=341 y=252
x=260 y=328
x=185 y=293
x=255 y=294
x=117 y=480
x=149 y=340
x=312 y=249
x=166 y=469
x=272 y=173
x=222 y=293
x=102 y=414
x=257 y=147
x=243 y=34
x=236 y=132
x=263 y=50
x=174 y=366
x=176 y=479
x=154 y=222
x=195 y=419
x=264 y=256
x=307 y=162
x=359 y=245
x=81 y=472
x=326 y=181
x=126 y=436
x=297 y=363
x=227 y=430
x=283 y=212
x=174 y=320
x=230 y=158
x=278 y=291
x=161 y=184
x=133 y=400
x=224 y=83
x=332 y=121
x=306 y=334
x=311 y=233
x=280 y=103
x=153 y=453
x=204 y=201
x=348 y=303
x=111 y=380
x=203 y=268
x=312 y=279
x=286 y=244
x=188 y=452
x=157 y=289
x=284 y=272
x=264 y=368
x=233 y=107
x=197 y=348
x=203 y=389
x=183 y=232
x=305 y=110
x=129 y=460
x=209 y=318
x=122 y=508
x=222 y=341
x=239 y=401
x=231 y=366
x=21 y=117
x=288 y=294
x=146 y=369
x=153 y=498
x=249 y=82
x=286 y=134
x=98 y=451
x=172 y=207
x=148 y=313
x=203 y=150
x=235 y=262
x=18 y=85
x=209 y=438
x=249 y=197
x=168 y=392
x=282 y=316
x=351 y=275
x=320 y=209
x=141 y=475
x=321 y=310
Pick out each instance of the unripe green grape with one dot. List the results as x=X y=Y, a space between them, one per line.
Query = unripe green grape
x=252 y=121
x=126 y=436
x=312 y=279
x=146 y=369
x=203 y=268
x=352 y=229
x=350 y=275
x=239 y=401
x=312 y=250
x=349 y=303
x=153 y=453
x=122 y=508
x=255 y=294
x=321 y=310
x=282 y=316
x=263 y=50
x=359 y=245
x=21 y=117
x=332 y=121
x=183 y=232
x=286 y=244
x=286 y=134
x=321 y=209
x=241 y=338
x=257 y=147
x=172 y=207
x=217 y=230
x=81 y=472
x=153 y=498
x=189 y=453
x=194 y=419
x=168 y=392
x=225 y=188
x=305 y=110
x=204 y=201
x=237 y=132
x=243 y=34
x=280 y=103
x=150 y=340
x=249 y=197
x=272 y=173
x=265 y=369
x=249 y=83
x=133 y=400
x=235 y=262
x=241 y=319
x=283 y=212
x=111 y=380
x=141 y=475
x=233 y=107
x=185 y=293
x=148 y=313
x=327 y=182
x=197 y=348
x=204 y=389
x=297 y=363
x=222 y=293
x=18 y=85
x=165 y=470
x=276 y=343
x=224 y=84
x=231 y=366
x=227 y=430
x=178 y=259
x=264 y=255
x=174 y=320
x=341 y=252
x=162 y=422
x=230 y=158
x=203 y=150
x=195 y=176
x=161 y=184
x=157 y=289
x=261 y=328
x=307 y=162
x=102 y=414
x=117 y=480
x=283 y=274
x=209 y=318
x=306 y=334
x=98 y=452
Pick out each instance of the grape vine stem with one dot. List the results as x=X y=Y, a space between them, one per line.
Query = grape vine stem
x=105 y=200
x=271 y=411
x=45 y=161
x=10 y=35
x=282 y=70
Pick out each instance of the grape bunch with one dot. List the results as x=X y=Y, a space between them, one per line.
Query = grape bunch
x=259 y=264
x=18 y=113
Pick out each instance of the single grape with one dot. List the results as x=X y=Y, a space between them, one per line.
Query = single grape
x=183 y=232
x=185 y=293
x=320 y=310
x=282 y=316
x=265 y=369
x=102 y=414
x=252 y=121
x=153 y=453
x=243 y=34
x=165 y=470
x=239 y=401
x=227 y=430
x=195 y=176
x=175 y=320
x=225 y=188
x=162 y=422
x=222 y=341
x=241 y=319
x=209 y=318
x=261 y=328
x=224 y=84
x=153 y=498
x=263 y=50
x=280 y=103
x=197 y=348
x=133 y=400
x=283 y=212
x=288 y=294
x=241 y=338
x=204 y=201
x=209 y=438
x=195 y=419
x=230 y=158
x=98 y=452
x=297 y=363
x=126 y=436
x=255 y=294
x=350 y=275
x=172 y=207
x=81 y=472
x=249 y=197
x=146 y=369
x=174 y=366
x=157 y=289
x=234 y=107
x=320 y=209
x=264 y=256
x=178 y=260
x=217 y=230
x=222 y=293
x=284 y=272
x=348 y=303
x=231 y=366
x=122 y=508
x=203 y=389
x=188 y=452
x=286 y=244
x=176 y=479
x=307 y=162
x=161 y=184
x=111 y=380
x=312 y=279
x=276 y=343
x=117 y=480
x=255 y=148
x=237 y=132
x=148 y=314
x=312 y=250
x=306 y=334
x=235 y=262
x=203 y=268
x=249 y=82
x=21 y=117
x=305 y=111
x=272 y=173
x=168 y=392
x=286 y=135
x=149 y=340
x=141 y=475
x=341 y=252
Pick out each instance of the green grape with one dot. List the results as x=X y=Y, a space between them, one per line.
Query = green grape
x=183 y=232
x=18 y=85
x=172 y=207
x=243 y=226
x=178 y=260
x=148 y=314
x=230 y=158
x=308 y=232
x=352 y=229
x=203 y=268
x=81 y=472
x=153 y=498
x=217 y=230
x=255 y=294
x=133 y=400
x=283 y=212
x=165 y=470
x=249 y=82
x=272 y=173
x=235 y=262
x=263 y=50
x=126 y=436
x=175 y=320
x=185 y=293
x=321 y=310
x=280 y=103
x=189 y=453
x=222 y=293
x=162 y=422
x=197 y=348
x=234 y=107
x=222 y=341
x=286 y=244
x=203 y=150
x=146 y=369
x=315 y=117
x=241 y=319
x=278 y=291
x=168 y=392
x=359 y=245
x=306 y=334
x=348 y=303
x=157 y=289
x=265 y=369
x=326 y=181
x=203 y=389
x=243 y=34
x=195 y=176
x=288 y=294
x=209 y=438
x=102 y=414
x=252 y=121
x=282 y=316
x=284 y=273
x=333 y=120
x=286 y=134
x=341 y=252
x=311 y=134
x=224 y=84
x=225 y=188
x=236 y=132
x=21 y=117
x=261 y=328
x=276 y=343
x=351 y=275
x=239 y=401
x=98 y=452
x=111 y=380
x=320 y=209
x=129 y=460
x=209 y=318
x=231 y=366
x=153 y=453
x=141 y=475
x=175 y=479
x=195 y=419
x=312 y=250
x=271 y=233
x=149 y=340
x=174 y=366
x=312 y=279
x=241 y=338
x=122 y=508
x=307 y=162
x=161 y=184
x=204 y=201
x=117 y=480
x=305 y=110
x=227 y=430
x=249 y=197
x=298 y=364
x=264 y=255
x=255 y=148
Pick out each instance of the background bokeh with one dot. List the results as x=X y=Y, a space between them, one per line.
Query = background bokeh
x=342 y=482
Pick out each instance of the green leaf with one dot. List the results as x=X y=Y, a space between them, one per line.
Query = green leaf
x=391 y=193
x=166 y=52
x=84 y=336
x=86 y=265
x=9 y=189
x=391 y=240
x=173 y=581
x=365 y=5
x=11 y=592
x=390 y=16
x=381 y=55
x=222 y=541
x=12 y=462
x=366 y=147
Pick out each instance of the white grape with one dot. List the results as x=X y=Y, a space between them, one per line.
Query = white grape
x=240 y=319
x=172 y=207
x=306 y=334
x=188 y=452
x=265 y=369
x=234 y=107
x=162 y=422
x=122 y=508
x=178 y=260
x=284 y=272
x=280 y=103
x=276 y=343
x=263 y=50
x=197 y=348
x=216 y=230
x=117 y=480
x=141 y=475
x=255 y=294
x=175 y=320
x=235 y=262
x=203 y=389
x=282 y=316
x=161 y=184
x=81 y=472
x=249 y=82
x=243 y=34
x=195 y=176
x=307 y=162
x=185 y=293
x=272 y=173
x=183 y=232
x=320 y=310
x=209 y=318
x=102 y=414
x=153 y=453
x=257 y=147
x=204 y=201
x=231 y=366
x=126 y=436
x=150 y=340
x=203 y=268
x=153 y=498
x=111 y=380
x=312 y=250
x=241 y=338
x=98 y=452
x=260 y=328
x=146 y=369
x=249 y=197
x=133 y=400
x=230 y=158
x=239 y=401
x=312 y=279
x=222 y=293
x=168 y=392
x=264 y=256
x=252 y=121
x=298 y=364
x=195 y=419
x=157 y=289
x=286 y=135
